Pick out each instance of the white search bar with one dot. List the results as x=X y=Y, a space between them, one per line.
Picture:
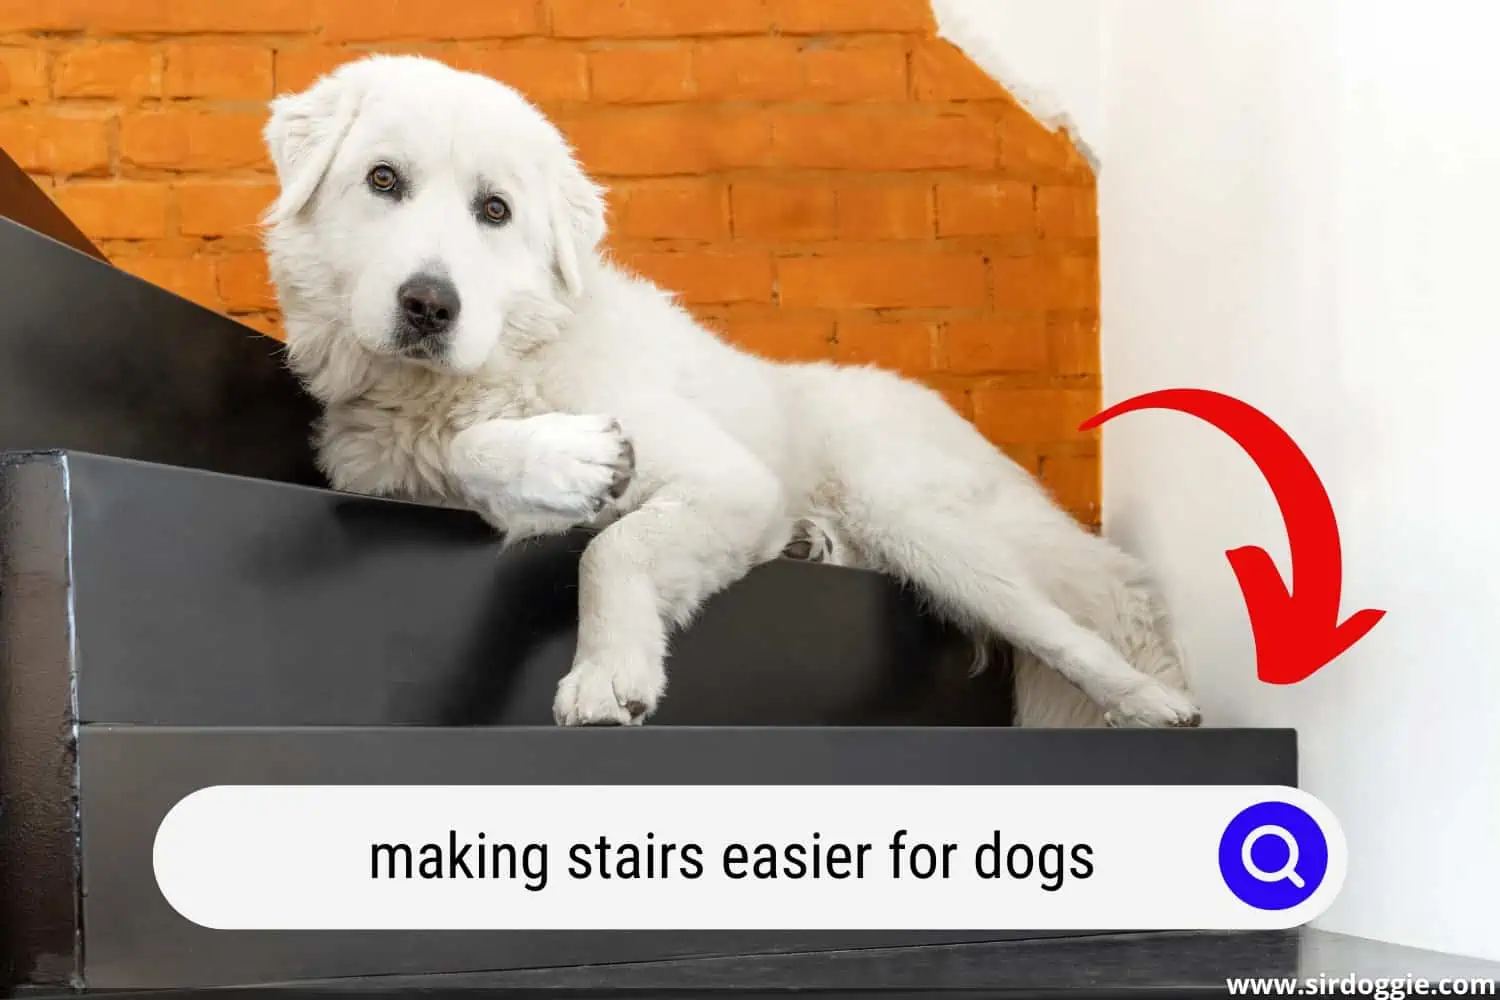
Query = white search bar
x=753 y=857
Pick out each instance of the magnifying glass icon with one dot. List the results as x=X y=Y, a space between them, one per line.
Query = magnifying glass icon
x=1288 y=871
x=1277 y=881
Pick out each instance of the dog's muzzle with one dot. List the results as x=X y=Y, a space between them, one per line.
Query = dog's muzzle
x=427 y=307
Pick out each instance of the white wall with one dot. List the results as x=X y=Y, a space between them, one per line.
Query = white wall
x=1045 y=52
x=1299 y=207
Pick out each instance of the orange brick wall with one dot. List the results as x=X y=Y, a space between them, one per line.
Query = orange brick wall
x=817 y=178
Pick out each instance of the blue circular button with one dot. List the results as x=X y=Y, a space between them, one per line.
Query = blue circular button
x=1273 y=856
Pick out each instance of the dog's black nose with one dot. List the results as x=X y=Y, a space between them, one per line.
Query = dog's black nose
x=429 y=304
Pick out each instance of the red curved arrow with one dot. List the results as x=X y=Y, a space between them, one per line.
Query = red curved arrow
x=1296 y=629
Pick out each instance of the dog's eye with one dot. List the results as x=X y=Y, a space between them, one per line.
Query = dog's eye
x=383 y=178
x=495 y=210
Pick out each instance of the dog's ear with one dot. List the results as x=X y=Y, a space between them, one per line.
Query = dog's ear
x=302 y=136
x=576 y=209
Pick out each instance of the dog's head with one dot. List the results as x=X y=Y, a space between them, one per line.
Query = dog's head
x=429 y=214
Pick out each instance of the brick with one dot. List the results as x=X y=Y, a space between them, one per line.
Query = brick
x=23 y=74
x=1073 y=343
x=642 y=76
x=1046 y=282
x=748 y=69
x=55 y=144
x=1066 y=212
x=1073 y=481
x=636 y=142
x=190 y=277
x=424 y=20
x=821 y=17
x=192 y=140
x=244 y=283
x=1030 y=416
x=856 y=139
x=217 y=72
x=1030 y=150
x=885 y=212
x=657 y=18
x=713 y=318
x=113 y=69
x=298 y=69
x=542 y=73
x=195 y=17
x=941 y=72
x=768 y=210
x=784 y=69
x=883 y=281
x=855 y=73
x=675 y=208
x=1009 y=342
x=789 y=339
x=116 y=210
x=708 y=277
x=985 y=208
x=906 y=348
x=221 y=208
x=31 y=16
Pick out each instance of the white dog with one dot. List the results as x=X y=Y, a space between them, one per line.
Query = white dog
x=435 y=248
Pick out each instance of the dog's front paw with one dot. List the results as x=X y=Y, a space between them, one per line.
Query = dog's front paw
x=1154 y=705
x=594 y=695
x=579 y=464
x=557 y=465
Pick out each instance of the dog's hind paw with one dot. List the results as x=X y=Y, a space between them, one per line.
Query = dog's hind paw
x=809 y=543
x=593 y=695
x=1154 y=705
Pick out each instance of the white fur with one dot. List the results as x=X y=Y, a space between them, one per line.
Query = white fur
x=560 y=365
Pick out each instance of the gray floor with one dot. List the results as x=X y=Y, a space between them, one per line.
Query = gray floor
x=1188 y=961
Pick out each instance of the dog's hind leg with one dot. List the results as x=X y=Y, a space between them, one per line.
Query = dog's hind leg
x=920 y=494
x=1119 y=602
x=983 y=583
x=924 y=497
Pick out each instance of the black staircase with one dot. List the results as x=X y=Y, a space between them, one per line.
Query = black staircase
x=182 y=605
